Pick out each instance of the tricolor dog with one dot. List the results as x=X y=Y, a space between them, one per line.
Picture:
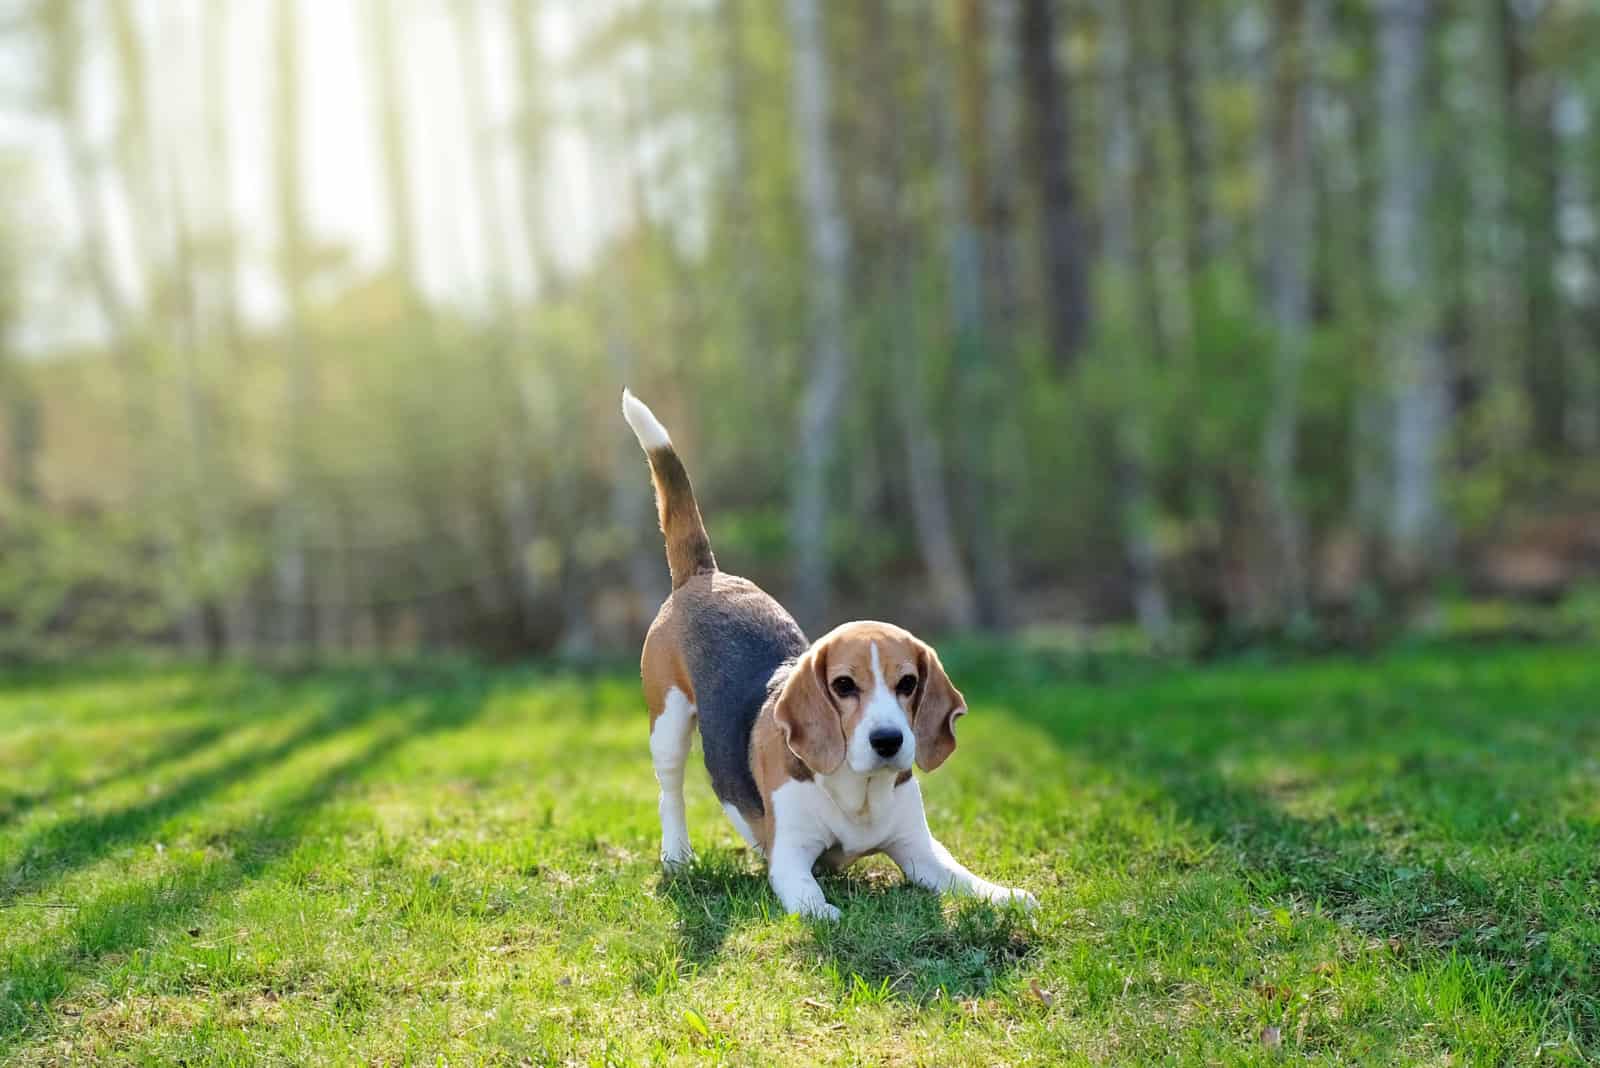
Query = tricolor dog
x=809 y=745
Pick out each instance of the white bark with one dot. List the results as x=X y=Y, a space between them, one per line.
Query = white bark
x=830 y=267
x=293 y=523
x=1289 y=211
x=1136 y=506
x=1416 y=378
x=925 y=471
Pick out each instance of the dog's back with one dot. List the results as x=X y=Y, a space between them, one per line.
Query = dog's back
x=718 y=639
x=733 y=637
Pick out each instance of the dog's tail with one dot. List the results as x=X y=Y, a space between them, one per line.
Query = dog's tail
x=688 y=547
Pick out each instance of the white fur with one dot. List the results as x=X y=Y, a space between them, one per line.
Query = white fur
x=859 y=814
x=646 y=427
x=883 y=711
x=739 y=824
x=670 y=738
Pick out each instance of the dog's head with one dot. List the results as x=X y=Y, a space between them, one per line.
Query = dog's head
x=872 y=697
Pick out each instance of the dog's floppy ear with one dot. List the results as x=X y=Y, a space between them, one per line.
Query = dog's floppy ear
x=807 y=715
x=938 y=703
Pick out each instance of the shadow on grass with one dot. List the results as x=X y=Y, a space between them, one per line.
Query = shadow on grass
x=892 y=937
x=125 y=918
x=68 y=845
x=1421 y=776
x=180 y=746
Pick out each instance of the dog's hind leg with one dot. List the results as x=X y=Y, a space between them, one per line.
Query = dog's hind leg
x=671 y=735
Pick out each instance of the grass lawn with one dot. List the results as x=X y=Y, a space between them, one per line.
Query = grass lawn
x=1387 y=861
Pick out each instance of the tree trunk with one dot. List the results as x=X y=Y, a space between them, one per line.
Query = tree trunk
x=1577 y=157
x=829 y=273
x=392 y=138
x=1528 y=103
x=1127 y=436
x=1062 y=234
x=743 y=219
x=1416 y=378
x=238 y=617
x=980 y=207
x=921 y=435
x=1185 y=94
x=133 y=137
x=206 y=546
x=214 y=31
x=297 y=627
x=20 y=403
x=531 y=133
x=64 y=47
x=514 y=499
x=475 y=97
x=1289 y=234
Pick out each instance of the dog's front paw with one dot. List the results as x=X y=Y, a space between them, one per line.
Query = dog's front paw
x=819 y=910
x=677 y=859
x=1006 y=895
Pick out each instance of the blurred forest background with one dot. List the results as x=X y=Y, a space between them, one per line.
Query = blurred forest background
x=1224 y=318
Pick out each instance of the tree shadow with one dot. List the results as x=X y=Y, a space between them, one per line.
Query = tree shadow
x=1416 y=775
x=124 y=918
x=180 y=746
x=892 y=937
x=68 y=845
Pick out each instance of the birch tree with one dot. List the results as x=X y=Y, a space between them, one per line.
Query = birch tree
x=980 y=194
x=297 y=625
x=1289 y=235
x=1062 y=234
x=394 y=159
x=1419 y=403
x=930 y=499
x=1186 y=90
x=1528 y=104
x=1129 y=435
x=829 y=243
x=19 y=406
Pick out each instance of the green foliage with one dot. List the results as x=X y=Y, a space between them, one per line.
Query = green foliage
x=396 y=463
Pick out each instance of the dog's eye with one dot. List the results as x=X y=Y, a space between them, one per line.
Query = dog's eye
x=844 y=686
x=906 y=686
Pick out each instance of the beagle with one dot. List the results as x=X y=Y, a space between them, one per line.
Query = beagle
x=809 y=745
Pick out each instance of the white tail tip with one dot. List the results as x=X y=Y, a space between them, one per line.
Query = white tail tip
x=646 y=427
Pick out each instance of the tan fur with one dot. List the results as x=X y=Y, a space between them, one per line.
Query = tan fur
x=935 y=708
x=772 y=764
x=688 y=547
x=814 y=723
x=661 y=665
x=807 y=701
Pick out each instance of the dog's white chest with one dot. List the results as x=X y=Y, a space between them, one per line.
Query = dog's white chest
x=856 y=814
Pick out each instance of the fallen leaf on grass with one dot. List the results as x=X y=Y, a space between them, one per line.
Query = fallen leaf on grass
x=1045 y=997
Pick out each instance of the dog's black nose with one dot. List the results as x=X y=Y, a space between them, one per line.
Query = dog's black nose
x=886 y=742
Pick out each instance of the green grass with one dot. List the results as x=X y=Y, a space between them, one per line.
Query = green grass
x=1392 y=861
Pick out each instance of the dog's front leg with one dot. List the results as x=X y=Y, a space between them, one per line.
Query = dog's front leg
x=927 y=863
x=790 y=872
x=796 y=848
